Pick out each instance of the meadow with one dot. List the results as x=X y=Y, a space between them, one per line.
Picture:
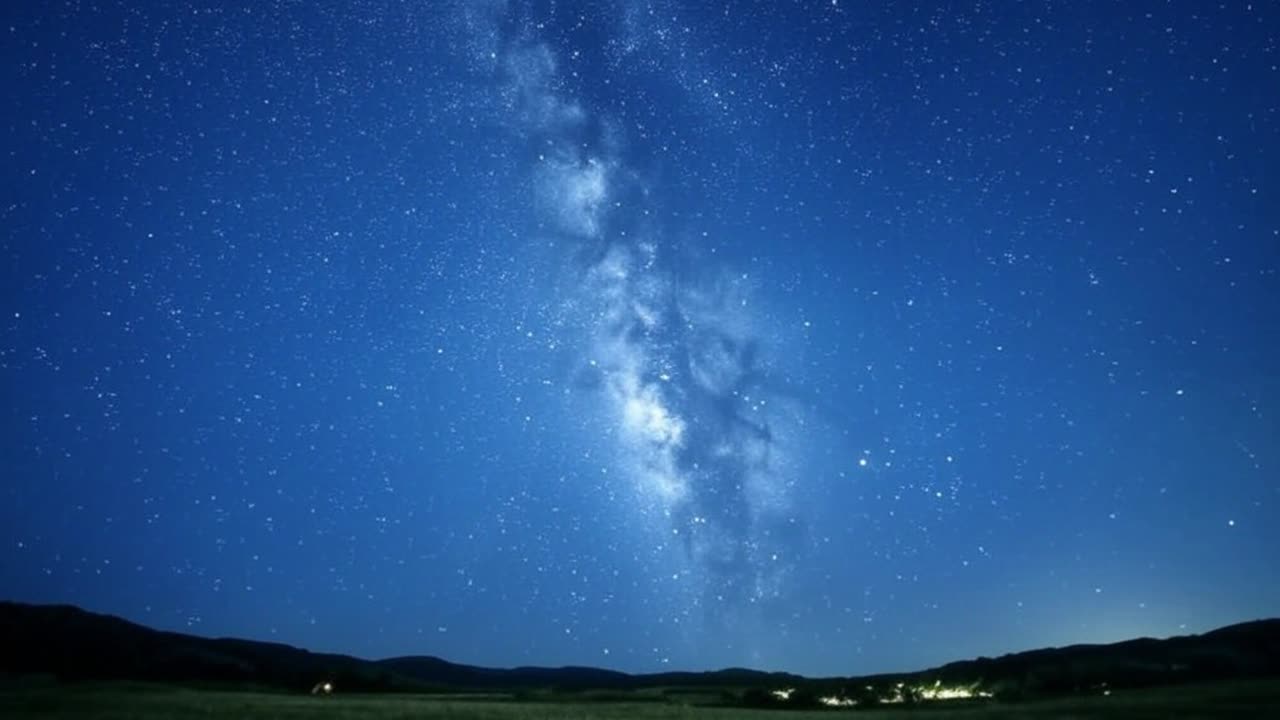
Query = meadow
x=136 y=701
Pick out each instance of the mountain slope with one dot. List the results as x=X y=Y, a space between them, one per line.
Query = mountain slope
x=1250 y=649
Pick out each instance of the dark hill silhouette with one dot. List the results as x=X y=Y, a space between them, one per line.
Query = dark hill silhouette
x=74 y=644
x=1250 y=649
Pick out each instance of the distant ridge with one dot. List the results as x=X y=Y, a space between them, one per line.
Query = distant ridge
x=74 y=644
x=1244 y=650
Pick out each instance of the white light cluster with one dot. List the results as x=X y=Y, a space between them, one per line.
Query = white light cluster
x=938 y=691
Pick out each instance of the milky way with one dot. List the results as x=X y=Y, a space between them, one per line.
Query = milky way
x=677 y=358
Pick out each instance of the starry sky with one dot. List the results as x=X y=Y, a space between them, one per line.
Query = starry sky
x=824 y=336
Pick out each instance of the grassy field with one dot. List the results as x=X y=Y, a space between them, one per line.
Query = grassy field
x=1253 y=699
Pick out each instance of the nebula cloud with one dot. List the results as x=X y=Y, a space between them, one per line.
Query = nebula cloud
x=574 y=190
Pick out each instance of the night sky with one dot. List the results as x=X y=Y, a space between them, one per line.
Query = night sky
x=825 y=336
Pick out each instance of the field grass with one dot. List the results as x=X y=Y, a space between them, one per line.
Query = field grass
x=120 y=701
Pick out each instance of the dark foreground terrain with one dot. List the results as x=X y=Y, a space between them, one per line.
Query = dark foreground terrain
x=61 y=661
x=71 y=644
x=112 y=701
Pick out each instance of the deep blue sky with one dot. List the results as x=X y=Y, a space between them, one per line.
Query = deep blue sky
x=833 y=337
